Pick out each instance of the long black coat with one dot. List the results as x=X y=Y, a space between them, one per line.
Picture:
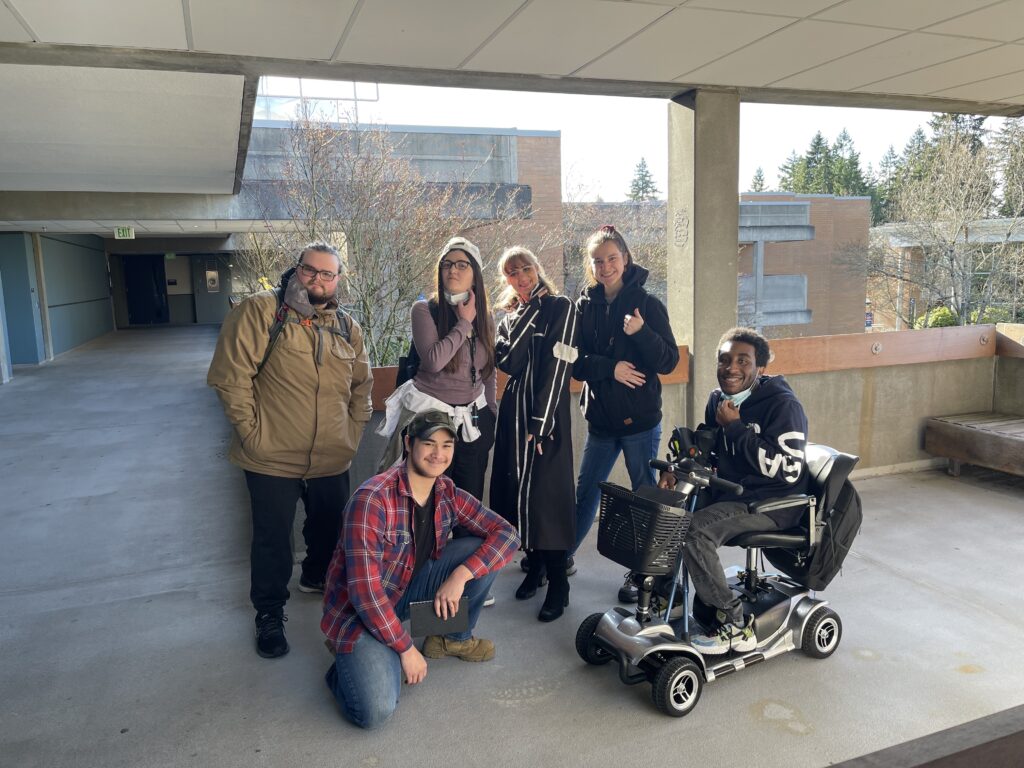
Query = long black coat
x=536 y=347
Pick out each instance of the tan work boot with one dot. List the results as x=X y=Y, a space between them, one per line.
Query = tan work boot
x=474 y=649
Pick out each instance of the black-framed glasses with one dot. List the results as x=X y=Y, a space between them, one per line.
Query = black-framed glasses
x=459 y=266
x=324 y=274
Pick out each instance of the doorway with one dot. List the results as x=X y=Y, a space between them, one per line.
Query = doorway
x=145 y=286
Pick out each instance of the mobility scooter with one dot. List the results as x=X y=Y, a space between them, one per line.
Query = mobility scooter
x=644 y=532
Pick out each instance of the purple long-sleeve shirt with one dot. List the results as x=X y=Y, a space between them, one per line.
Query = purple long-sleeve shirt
x=455 y=388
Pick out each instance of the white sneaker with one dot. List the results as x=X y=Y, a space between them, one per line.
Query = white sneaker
x=489 y=600
x=728 y=638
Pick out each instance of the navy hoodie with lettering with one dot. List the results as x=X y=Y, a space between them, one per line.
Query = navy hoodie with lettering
x=765 y=450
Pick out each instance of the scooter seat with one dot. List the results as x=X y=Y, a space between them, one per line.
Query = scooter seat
x=795 y=538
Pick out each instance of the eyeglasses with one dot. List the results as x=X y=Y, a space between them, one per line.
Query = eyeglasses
x=458 y=266
x=526 y=269
x=324 y=274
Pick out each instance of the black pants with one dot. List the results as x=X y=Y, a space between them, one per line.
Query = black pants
x=469 y=464
x=711 y=527
x=273 y=514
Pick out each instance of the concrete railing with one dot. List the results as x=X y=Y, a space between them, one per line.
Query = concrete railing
x=866 y=394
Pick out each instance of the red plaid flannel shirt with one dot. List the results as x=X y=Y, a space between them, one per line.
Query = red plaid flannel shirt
x=373 y=562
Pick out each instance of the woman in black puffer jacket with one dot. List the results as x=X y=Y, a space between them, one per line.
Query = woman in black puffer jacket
x=625 y=341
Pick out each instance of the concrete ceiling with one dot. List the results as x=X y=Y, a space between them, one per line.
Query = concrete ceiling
x=157 y=95
x=118 y=130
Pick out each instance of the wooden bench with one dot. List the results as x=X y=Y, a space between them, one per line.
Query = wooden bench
x=992 y=440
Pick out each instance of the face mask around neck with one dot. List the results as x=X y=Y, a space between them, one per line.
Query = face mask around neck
x=739 y=397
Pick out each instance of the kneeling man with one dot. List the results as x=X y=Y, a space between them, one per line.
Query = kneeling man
x=760 y=438
x=395 y=549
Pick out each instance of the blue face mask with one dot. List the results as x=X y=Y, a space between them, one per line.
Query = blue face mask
x=739 y=397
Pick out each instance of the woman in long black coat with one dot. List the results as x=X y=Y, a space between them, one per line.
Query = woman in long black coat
x=532 y=472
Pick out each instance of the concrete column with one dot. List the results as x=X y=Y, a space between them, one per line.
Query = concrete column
x=703 y=221
x=44 y=307
x=5 y=344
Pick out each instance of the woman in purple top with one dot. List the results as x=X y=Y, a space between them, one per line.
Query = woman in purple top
x=454 y=338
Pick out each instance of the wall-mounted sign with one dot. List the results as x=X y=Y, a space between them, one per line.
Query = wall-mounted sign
x=169 y=256
x=124 y=233
x=212 y=281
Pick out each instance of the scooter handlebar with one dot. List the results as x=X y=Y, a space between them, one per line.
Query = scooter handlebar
x=725 y=485
x=705 y=478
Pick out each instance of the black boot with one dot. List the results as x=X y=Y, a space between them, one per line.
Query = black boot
x=557 y=598
x=535 y=577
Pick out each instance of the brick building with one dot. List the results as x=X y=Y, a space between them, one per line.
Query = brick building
x=833 y=262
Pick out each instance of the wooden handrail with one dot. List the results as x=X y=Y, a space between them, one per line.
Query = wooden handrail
x=1010 y=340
x=816 y=354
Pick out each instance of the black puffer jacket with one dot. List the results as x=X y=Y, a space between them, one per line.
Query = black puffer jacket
x=613 y=409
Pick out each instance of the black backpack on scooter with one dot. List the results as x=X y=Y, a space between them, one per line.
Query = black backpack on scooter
x=842 y=524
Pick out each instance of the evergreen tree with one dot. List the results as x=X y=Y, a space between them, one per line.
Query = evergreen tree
x=793 y=173
x=819 y=167
x=914 y=160
x=757 y=184
x=970 y=127
x=847 y=177
x=642 y=187
x=884 y=188
x=1008 y=149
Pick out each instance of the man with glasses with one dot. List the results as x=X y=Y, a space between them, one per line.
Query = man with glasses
x=396 y=551
x=294 y=379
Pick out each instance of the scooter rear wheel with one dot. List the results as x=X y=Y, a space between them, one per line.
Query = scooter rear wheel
x=677 y=687
x=821 y=634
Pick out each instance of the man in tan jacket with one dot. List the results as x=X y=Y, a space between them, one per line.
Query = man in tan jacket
x=298 y=405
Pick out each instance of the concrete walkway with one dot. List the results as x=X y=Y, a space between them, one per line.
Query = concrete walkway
x=126 y=632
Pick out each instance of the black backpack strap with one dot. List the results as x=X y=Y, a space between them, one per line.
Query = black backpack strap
x=275 y=329
x=345 y=325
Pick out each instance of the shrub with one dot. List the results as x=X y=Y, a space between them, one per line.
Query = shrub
x=939 y=317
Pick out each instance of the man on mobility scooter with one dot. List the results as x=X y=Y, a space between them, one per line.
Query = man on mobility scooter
x=759 y=443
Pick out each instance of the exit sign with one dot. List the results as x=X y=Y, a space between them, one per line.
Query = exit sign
x=124 y=233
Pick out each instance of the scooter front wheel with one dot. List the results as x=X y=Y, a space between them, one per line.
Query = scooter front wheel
x=590 y=651
x=677 y=687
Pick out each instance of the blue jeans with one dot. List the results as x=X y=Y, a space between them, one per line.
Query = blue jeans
x=368 y=680
x=599 y=457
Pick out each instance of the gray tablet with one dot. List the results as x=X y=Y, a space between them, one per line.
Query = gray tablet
x=423 y=621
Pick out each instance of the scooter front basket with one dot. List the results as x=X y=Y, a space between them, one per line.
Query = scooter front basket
x=640 y=532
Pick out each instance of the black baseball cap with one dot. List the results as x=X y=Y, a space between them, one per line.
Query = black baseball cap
x=426 y=423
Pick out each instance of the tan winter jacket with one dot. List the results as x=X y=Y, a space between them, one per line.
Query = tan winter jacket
x=304 y=414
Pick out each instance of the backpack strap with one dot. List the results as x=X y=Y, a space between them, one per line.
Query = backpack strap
x=281 y=317
x=275 y=329
x=344 y=325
